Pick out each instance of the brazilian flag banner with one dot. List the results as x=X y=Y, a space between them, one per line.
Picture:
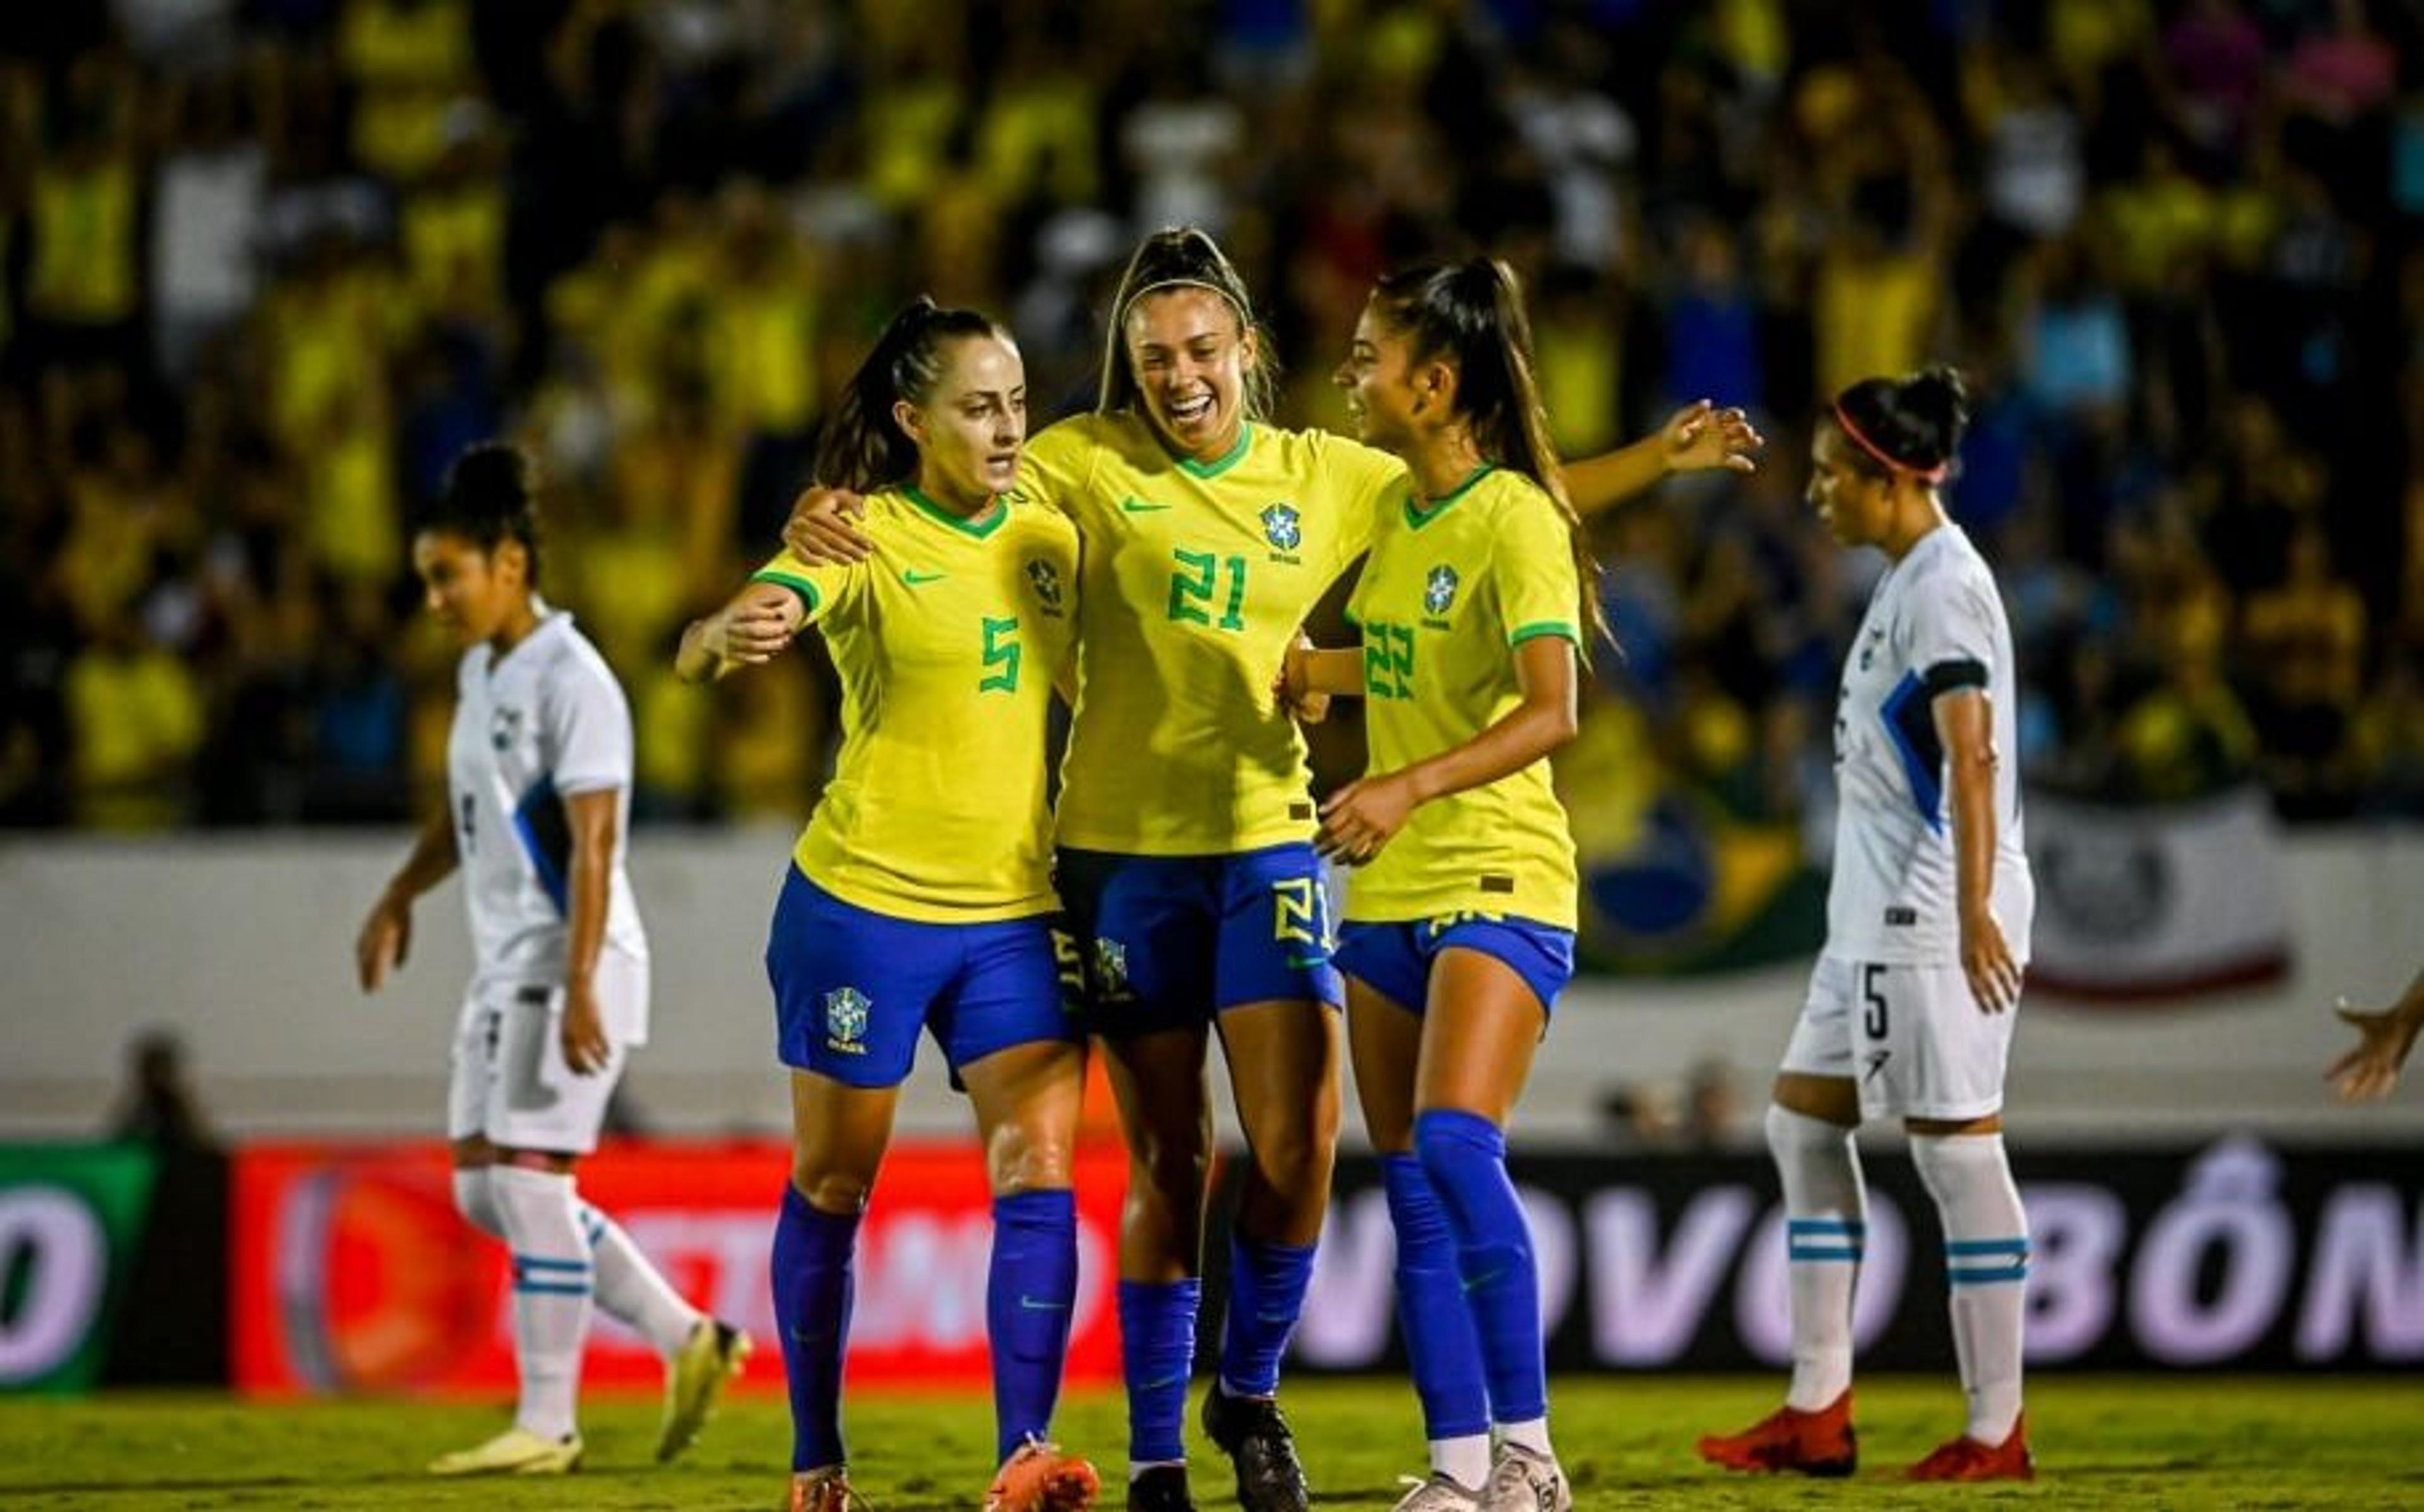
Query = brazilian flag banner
x=71 y=1223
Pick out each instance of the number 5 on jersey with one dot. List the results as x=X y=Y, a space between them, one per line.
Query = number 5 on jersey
x=1002 y=651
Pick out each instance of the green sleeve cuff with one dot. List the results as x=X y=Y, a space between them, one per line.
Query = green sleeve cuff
x=802 y=586
x=1546 y=626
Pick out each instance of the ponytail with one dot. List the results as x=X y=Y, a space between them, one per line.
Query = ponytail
x=1910 y=425
x=864 y=447
x=490 y=497
x=1471 y=314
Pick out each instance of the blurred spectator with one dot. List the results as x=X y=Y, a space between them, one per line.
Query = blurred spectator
x=264 y=267
x=157 y=1105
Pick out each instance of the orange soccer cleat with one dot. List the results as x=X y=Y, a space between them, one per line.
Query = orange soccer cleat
x=1040 y=1479
x=1966 y=1459
x=824 y=1491
x=1789 y=1440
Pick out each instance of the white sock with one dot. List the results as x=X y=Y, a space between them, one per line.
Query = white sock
x=552 y=1288
x=1532 y=1433
x=1465 y=1461
x=476 y=1200
x=632 y=1291
x=1826 y=1213
x=1986 y=1261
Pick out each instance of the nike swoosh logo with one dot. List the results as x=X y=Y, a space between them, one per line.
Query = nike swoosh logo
x=1477 y=1282
x=1306 y=963
x=1133 y=505
x=1164 y=1383
x=1041 y=1304
x=914 y=577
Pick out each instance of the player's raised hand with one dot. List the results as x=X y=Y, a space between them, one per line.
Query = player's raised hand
x=2372 y=1070
x=386 y=939
x=823 y=527
x=1701 y=436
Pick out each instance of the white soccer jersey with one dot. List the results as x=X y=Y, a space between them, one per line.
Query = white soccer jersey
x=533 y=728
x=1935 y=622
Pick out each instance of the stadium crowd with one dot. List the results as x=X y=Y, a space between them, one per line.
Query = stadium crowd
x=269 y=264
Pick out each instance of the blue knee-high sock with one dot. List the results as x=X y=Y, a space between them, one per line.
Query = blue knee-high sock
x=812 y=1295
x=1028 y=1294
x=1465 y=1156
x=1157 y=1355
x=1441 y=1346
x=1267 y=1283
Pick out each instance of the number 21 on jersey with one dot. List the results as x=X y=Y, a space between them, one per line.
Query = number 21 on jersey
x=1196 y=581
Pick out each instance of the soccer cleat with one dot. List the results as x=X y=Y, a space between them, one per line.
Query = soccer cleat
x=1160 y=1489
x=1040 y=1479
x=1818 y=1443
x=1251 y=1431
x=1966 y=1459
x=694 y=1380
x=1438 y=1492
x=513 y=1451
x=824 y=1491
x=1526 y=1480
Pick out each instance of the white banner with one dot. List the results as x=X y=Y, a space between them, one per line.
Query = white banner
x=2139 y=902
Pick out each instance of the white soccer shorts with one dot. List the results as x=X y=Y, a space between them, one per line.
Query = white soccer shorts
x=1911 y=1036
x=509 y=1079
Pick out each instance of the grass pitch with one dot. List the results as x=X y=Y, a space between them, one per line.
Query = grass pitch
x=2102 y=1443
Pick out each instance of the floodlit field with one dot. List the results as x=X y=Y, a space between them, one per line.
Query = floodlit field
x=2102 y=1443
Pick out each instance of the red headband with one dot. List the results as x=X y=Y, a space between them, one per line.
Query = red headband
x=1927 y=475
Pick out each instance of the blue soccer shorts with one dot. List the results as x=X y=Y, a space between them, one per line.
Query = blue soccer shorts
x=854 y=987
x=1394 y=959
x=1169 y=942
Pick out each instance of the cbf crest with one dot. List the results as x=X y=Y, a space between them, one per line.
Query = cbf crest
x=846 y=1019
x=504 y=728
x=1282 y=527
x=1439 y=590
x=1046 y=580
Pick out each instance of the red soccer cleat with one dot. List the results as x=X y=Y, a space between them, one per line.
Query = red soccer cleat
x=1818 y=1443
x=1040 y=1479
x=1966 y=1459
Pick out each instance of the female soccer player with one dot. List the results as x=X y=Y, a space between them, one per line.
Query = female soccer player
x=1184 y=825
x=920 y=895
x=1459 y=924
x=1911 y=1008
x=540 y=790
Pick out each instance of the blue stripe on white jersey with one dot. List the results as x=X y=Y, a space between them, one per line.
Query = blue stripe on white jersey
x=1934 y=623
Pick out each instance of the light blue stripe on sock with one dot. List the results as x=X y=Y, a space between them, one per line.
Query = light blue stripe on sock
x=1820 y=1251
x=543 y=1262
x=558 y=1288
x=1816 y=1226
x=1958 y=1248
x=1981 y=1278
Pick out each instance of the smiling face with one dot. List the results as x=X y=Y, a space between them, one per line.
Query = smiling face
x=1190 y=354
x=970 y=428
x=472 y=592
x=1379 y=376
x=1855 y=504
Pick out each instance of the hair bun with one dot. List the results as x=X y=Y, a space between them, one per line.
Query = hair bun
x=491 y=469
x=1938 y=396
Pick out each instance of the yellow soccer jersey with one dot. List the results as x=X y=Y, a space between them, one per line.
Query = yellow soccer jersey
x=1447 y=595
x=1195 y=577
x=946 y=639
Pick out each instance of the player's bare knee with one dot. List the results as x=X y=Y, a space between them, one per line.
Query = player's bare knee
x=1028 y=1160
x=843 y=1193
